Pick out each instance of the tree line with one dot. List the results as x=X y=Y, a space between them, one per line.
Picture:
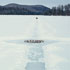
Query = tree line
x=60 y=10
x=16 y=11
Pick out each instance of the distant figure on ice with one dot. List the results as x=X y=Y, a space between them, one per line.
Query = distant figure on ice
x=36 y=17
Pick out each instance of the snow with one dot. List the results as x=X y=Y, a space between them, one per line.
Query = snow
x=13 y=56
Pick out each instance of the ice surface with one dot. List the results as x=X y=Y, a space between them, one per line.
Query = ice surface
x=35 y=66
x=54 y=30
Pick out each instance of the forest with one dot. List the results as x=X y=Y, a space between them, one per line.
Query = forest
x=60 y=10
x=16 y=9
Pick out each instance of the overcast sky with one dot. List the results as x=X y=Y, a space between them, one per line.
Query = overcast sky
x=48 y=3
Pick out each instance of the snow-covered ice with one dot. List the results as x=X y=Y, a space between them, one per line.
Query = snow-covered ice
x=13 y=55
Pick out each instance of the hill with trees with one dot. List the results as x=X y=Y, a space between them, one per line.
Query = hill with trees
x=16 y=9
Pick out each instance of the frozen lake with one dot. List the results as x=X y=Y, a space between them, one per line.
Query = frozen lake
x=54 y=30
